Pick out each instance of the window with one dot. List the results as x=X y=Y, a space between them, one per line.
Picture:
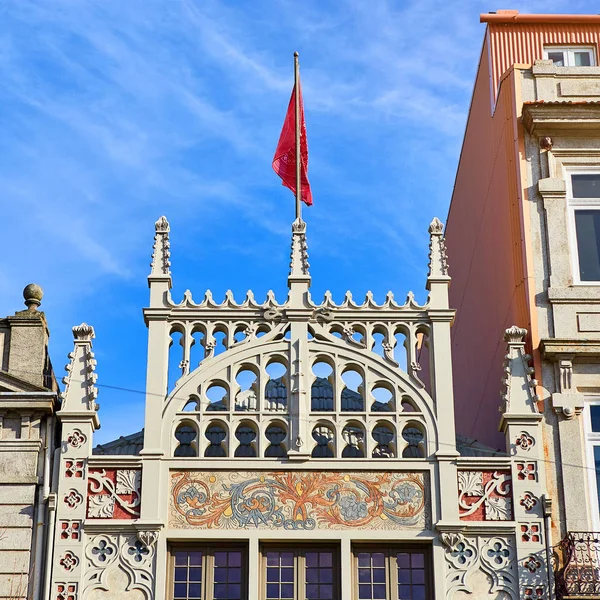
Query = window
x=584 y=209
x=300 y=573
x=209 y=573
x=571 y=56
x=592 y=427
x=394 y=573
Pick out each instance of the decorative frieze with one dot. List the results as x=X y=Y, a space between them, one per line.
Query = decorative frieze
x=299 y=500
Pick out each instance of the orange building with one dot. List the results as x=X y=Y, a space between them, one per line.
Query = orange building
x=523 y=236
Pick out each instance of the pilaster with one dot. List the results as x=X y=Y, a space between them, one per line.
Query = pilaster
x=299 y=314
x=521 y=423
x=554 y=197
x=79 y=420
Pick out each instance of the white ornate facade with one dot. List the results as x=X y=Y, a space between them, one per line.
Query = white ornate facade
x=268 y=472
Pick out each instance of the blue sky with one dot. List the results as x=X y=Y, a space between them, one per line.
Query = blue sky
x=114 y=113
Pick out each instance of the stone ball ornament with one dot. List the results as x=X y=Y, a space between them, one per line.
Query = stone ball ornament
x=33 y=295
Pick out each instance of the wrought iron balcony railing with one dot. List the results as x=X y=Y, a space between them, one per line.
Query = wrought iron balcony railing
x=579 y=575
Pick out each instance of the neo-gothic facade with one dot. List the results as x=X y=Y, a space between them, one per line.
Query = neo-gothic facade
x=310 y=453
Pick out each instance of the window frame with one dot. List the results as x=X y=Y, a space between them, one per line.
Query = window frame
x=299 y=549
x=574 y=204
x=569 y=53
x=390 y=551
x=592 y=439
x=207 y=548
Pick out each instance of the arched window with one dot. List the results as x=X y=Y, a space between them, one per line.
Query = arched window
x=324 y=436
x=186 y=436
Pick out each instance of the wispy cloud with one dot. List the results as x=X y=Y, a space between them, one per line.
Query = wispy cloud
x=114 y=113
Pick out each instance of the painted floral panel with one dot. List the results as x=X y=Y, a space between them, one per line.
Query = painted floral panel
x=299 y=500
x=114 y=493
x=485 y=496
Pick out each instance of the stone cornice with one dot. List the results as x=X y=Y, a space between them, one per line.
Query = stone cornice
x=577 y=294
x=561 y=116
x=555 y=348
x=115 y=461
x=20 y=446
x=483 y=462
x=477 y=527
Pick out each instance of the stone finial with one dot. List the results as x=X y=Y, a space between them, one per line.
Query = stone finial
x=436 y=226
x=515 y=335
x=299 y=256
x=438 y=262
x=83 y=333
x=33 y=295
x=161 y=253
x=162 y=225
x=518 y=386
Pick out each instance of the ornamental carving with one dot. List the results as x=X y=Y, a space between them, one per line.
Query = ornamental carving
x=66 y=591
x=74 y=468
x=76 y=439
x=70 y=530
x=485 y=496
x=531 y=532
x=528 y=501
x=482 y=567
x=114 y=493
x=68 y=561
x=532 y=564
x=118 y=566
x=526 y=471
x=101 y=506
x=73 y=499
x=524 y=441
x=148 y=537
x=299 y=500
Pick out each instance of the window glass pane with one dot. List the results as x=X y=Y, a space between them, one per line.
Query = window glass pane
x=371 y=575
x=595 y=417
x=227 y=575
x=319 y=575
x=187 y=576
x=583 y=59
x=558 y=58
x=587 y=227
x=597 y=464
x=280 y=575
x=411 y=575
x=586 y=185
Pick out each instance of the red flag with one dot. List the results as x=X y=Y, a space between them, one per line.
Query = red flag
x=284 y=161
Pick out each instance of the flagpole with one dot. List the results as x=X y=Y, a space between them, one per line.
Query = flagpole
x=298 y=124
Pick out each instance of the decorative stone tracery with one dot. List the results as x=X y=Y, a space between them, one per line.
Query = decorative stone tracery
x=480 y=566
x=118 y=564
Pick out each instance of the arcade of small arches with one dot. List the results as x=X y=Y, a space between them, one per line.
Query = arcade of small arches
x=356 y=410
x=402 y=344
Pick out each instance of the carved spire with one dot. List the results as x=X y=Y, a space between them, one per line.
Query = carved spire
x=299 y=256
x=299 y=277
x=518 y=391
x=438 y=261
x=161 y=253
x=437 y=278
x=80 y=383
